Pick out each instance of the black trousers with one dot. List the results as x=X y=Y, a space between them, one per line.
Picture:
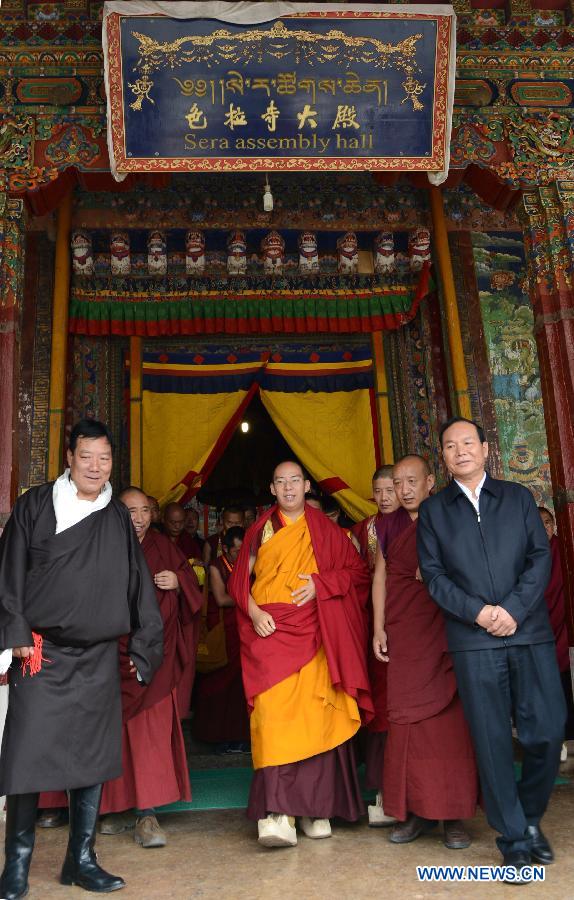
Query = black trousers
x=496 y=686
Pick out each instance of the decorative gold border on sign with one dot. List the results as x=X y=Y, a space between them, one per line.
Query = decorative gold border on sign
x=432 y=163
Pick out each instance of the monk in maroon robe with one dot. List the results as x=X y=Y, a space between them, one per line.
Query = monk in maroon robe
x=174 y=519
x=374 y=535
x=190 y=543
x=387 y=527
x=155 y=770
x=555 y=601
x=231 y=517
x=220 y=708
x=386 y=500
x=430 y=771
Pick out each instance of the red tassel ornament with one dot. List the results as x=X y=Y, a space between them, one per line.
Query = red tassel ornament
x=33 y=664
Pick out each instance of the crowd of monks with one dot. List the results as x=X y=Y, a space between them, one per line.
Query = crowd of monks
x=333 y=653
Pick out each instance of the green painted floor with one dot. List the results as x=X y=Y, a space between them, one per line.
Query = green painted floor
x=229 y=789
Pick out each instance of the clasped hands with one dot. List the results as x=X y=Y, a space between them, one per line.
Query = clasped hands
x=496 y=621
x=263 y=622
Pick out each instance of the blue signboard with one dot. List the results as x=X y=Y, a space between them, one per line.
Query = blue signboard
x=312 y=91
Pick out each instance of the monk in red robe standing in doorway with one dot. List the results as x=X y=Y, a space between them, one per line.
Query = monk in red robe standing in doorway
x=231 y=517
x=155 y=770
x=174 y=519
x=430 y=770
x=302 y=626
x=220 y=708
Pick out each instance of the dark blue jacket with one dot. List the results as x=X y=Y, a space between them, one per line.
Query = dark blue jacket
x=502 y=558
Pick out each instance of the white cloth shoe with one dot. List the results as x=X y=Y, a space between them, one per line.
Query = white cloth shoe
x=377 y=816
x=277 y=831
x=315 y=828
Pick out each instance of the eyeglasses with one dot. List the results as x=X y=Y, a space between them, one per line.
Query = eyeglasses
x=281 y=482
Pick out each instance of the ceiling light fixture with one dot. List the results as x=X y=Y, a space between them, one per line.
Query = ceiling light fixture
x=267 y=197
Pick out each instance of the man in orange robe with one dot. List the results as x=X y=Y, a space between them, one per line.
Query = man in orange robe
x=302 y=626
x=430 y=770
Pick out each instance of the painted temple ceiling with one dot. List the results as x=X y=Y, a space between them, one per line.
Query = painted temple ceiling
x=514 y=104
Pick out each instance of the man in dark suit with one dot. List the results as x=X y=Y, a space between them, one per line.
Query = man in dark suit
x=484 y=556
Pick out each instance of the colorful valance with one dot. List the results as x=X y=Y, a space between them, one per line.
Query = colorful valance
x=361 y=305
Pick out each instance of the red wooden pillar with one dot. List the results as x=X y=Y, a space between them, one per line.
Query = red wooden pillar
x=11 y=285
x=548 y=214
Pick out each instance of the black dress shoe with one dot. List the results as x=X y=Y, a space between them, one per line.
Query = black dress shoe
x=540 y=850
x=516 y=860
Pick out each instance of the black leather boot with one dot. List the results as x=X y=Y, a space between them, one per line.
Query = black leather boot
x=81 y=865
x=19 y=844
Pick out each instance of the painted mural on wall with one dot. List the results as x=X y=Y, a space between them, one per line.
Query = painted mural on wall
x=508 y=328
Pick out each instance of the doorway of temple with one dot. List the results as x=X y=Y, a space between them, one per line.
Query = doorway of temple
x=219 y=418
x=238 y=486
x=243 y=474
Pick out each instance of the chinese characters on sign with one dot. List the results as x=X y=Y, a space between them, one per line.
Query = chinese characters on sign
x=310 y=91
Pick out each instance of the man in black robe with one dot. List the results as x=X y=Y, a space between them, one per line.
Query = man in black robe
x=72 y=581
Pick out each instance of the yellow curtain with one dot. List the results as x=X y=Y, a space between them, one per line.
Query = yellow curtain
x=332 y=435
x=180 y=432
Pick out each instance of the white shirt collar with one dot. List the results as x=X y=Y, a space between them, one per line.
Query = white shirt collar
x=473 y=497
x=68 y=507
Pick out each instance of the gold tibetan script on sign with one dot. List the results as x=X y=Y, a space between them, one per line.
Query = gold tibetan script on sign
x=296 y=46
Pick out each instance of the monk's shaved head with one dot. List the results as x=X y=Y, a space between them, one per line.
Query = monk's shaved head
x=290 y=462
x=413 y=482
x=173 y=507
x=289 y=486
x=131 y=489
x=384 y=493
x=414 y=457
x=174 y=520
x=139 y=507
x=383 y=472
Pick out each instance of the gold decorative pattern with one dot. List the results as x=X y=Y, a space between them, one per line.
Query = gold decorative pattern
x=402 y=55
x=243 y=48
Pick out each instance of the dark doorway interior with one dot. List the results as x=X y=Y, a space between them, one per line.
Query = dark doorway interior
x=243 y=474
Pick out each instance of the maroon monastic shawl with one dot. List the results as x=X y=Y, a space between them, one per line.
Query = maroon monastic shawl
x=190 y=546
x=554 y=596
x=177 y=609
x=420 y=675
x=336 y=620
x=221 y=678
x=390 y=526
